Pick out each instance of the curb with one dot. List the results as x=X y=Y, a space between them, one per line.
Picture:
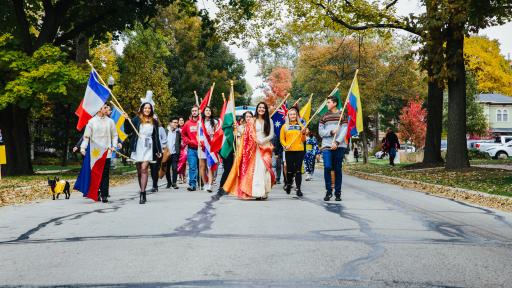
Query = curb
x=500 y=202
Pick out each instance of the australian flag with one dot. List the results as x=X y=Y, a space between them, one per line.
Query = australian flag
x=279 y=118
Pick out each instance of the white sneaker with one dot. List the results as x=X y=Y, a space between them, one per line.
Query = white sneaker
x=209 y=188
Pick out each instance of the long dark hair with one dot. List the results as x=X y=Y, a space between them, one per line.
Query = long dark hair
x=212 y=120
x=143 y=118
x=266 y=117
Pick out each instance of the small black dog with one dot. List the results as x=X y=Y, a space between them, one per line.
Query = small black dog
x=59 y=186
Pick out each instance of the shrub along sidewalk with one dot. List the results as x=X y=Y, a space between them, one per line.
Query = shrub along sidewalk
x=483 y=186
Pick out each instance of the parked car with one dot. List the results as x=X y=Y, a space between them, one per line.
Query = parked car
x=500 y=151
x=499 y=140
x=444 y=145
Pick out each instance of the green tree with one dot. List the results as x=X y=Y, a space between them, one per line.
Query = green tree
x=143 y=68
x=197 y=57
x=31 y=82
x=37 y=23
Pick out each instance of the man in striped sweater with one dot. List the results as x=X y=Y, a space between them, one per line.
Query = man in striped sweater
x=333 y=150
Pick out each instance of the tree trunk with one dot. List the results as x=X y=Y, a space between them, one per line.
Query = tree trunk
x=434 y=124
x=376 y=140
x=82 y=48
x=457 y=153
x=15 y=131
x=365 y=147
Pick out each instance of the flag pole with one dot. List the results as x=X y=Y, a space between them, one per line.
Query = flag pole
x=235 y=124
x=211 y=93
x=199 y=118
x=113 y=97
x=344 y=105
x=281 y=104
x=309 y=121
x=317 y=110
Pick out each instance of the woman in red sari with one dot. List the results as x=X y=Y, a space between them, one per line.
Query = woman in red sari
x=252 y=176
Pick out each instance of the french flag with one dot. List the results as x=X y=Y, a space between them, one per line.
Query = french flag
x=89 y=179
x=95 y=96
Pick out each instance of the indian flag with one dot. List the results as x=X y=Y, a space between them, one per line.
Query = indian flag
x=227 y=126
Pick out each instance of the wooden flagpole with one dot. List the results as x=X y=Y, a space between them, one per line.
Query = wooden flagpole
x=281 y=104
x=113 y=97
x=344 y=105
x=211 y=93
x=317 y=110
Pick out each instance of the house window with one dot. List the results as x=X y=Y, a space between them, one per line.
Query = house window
x=504 y=115
x=498 y=115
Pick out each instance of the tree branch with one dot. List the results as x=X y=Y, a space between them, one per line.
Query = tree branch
x=338 y=20
x=391 y=4
x=23 y=25
x=80 y=27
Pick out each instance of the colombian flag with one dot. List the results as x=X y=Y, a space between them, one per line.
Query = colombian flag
x=354 y=111
x=119 y=119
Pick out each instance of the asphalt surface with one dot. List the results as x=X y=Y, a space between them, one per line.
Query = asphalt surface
x=379 y=236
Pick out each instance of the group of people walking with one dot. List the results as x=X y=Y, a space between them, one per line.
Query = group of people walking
x=248 y=169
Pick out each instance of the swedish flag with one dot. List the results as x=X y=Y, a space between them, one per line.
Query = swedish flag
x=119 y=119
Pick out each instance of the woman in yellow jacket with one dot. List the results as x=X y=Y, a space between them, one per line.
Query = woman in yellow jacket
x=293 y=136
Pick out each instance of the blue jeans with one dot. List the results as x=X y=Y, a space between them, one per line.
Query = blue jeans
x=192 y=167
x=333 y=159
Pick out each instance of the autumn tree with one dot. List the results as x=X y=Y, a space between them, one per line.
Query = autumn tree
x=279 y=83
x=441 y=30
x=492 y=70
x=413 y=126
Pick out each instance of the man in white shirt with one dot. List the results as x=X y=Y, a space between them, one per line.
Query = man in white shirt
x=174 y=144
x=102 y=130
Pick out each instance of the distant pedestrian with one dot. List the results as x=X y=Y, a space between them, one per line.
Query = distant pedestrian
x=312 y=154
x=391 y=145
x=356 y=154
x=182 y=162
x=155 y=167
x=174 y=146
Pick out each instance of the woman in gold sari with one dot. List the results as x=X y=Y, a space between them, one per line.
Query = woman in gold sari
x=252 y=176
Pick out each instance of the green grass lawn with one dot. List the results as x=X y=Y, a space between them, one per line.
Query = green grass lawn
x=492 y=181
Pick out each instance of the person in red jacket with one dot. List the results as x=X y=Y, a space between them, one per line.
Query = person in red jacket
x=189 y=138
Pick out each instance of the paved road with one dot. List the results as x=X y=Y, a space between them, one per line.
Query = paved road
x=379 y=236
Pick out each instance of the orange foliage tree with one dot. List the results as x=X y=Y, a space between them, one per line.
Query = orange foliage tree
x=279 y=83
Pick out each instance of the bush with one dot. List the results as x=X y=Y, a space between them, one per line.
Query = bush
x=475 y=154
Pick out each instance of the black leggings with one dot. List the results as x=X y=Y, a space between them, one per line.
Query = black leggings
x=294 y=161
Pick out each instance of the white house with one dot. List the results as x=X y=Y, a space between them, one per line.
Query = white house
x=498 y=111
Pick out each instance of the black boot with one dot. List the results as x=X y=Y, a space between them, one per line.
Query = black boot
x=144 y=196
x=140 y=198
x=299 y=192
x=288 y=188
